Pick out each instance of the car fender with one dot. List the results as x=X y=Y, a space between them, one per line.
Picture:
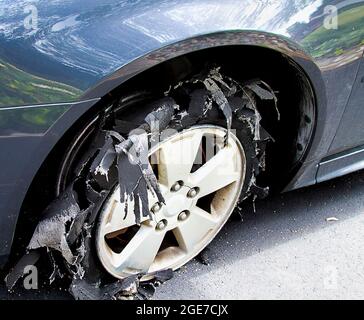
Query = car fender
x=92 y=49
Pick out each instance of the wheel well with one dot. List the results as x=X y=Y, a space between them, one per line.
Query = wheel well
x=292 y=134
x=296 y=99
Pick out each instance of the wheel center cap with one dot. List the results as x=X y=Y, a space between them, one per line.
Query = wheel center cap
x=176 y=205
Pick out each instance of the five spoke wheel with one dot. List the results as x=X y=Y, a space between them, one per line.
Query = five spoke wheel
x=201 y=179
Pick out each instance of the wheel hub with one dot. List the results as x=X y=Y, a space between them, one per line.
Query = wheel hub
x=175 y=205
x=200 y=179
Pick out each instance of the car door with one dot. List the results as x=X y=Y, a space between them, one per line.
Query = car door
x=350 y=133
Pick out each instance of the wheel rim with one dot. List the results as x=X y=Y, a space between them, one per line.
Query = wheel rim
x=200 y=179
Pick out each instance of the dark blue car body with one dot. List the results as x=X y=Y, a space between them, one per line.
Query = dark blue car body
x=80 y=50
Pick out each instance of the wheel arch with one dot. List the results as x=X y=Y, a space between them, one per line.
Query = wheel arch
x=277 y=45
x=239 y=38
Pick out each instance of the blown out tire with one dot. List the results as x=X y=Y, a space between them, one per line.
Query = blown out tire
x=129 y=115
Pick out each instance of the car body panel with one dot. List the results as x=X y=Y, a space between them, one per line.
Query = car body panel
x=38 y=129
x=341 y=164
x=346 y=153
x=77 y=43
x=353 y=119
x=82 y=49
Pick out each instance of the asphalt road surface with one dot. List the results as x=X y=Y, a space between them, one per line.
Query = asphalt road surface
x=285 y=250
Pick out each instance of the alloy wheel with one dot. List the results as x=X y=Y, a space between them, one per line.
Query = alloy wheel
x=200 y=178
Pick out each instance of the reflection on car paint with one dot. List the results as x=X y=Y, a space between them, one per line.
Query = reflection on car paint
x=79 y=42
x=29 y=121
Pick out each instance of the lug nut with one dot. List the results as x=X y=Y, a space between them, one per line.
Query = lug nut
x=177 y=186
x=157 y=207
x=161 y=225
x=193 y=192
x=183 y=215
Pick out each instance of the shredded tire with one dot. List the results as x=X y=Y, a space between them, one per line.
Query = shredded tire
x=67 y=229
